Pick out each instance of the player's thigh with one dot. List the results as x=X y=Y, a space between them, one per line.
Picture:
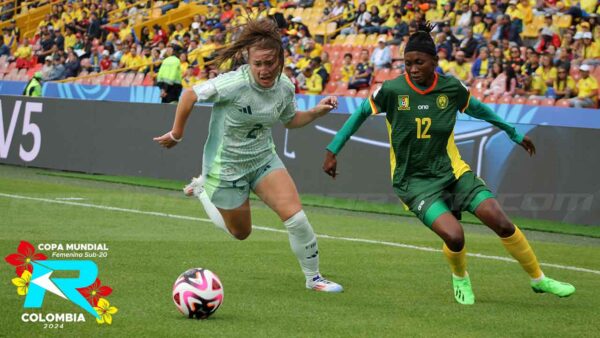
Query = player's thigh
x=231 y=199
x=238 y=220
x=278 y=191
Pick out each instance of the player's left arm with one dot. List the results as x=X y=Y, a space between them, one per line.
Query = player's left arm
x=302 y=118
x=482 y=111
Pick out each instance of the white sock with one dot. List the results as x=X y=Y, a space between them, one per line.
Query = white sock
x=304 y=243
x=539 y=279
x=213 y=213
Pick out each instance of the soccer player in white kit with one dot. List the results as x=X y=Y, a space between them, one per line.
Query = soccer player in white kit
x=239 y=154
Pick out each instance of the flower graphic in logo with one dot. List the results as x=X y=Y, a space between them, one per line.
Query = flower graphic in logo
x=22 y=283
x=105 y=311
x=23 y=257
x=93 y=292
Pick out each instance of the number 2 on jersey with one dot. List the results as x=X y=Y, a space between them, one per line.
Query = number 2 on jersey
x=254 y=131
x=423 y=125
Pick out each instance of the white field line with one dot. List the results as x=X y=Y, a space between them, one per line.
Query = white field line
x=348 y=239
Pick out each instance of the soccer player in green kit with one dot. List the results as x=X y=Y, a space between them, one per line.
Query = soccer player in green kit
x=428 y=174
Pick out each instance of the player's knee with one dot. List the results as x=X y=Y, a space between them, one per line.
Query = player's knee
x=455 y=241
x=505 y=228
x=240 y=234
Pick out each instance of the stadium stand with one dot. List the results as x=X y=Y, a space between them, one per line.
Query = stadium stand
x=122 y=42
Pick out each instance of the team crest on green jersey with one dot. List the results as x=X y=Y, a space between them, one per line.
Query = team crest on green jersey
x=442 y=101
x=403 y=103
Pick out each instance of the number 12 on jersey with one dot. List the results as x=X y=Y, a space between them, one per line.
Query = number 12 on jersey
x=423 y=125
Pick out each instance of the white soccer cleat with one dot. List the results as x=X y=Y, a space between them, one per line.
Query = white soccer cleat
x=319 y=283
x=195 y=187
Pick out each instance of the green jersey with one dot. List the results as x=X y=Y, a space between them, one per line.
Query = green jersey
x=423 y=155
x=239 y=136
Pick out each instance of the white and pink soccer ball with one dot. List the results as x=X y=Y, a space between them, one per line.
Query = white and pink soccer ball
x=198 y=293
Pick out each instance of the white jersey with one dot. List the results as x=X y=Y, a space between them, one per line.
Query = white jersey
x=239 y=137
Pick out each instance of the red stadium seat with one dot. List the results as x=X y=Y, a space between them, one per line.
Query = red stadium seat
x=381 y=75
x=148 y=80
x=374 y=88
x=108 y=79
x=395 y=72
x=562 y=103
x=490 y=99
x=396 y=53
x=138 y=80
x=364 y=93
x=547 y=102
x=519 y=100
x=350 y=92
x=505 y=100
x=331 y=87
x=534 y=101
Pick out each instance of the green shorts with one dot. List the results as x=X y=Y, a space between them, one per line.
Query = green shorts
x=465 y=194
x=231 y=194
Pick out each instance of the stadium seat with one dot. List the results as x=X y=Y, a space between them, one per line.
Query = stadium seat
x=148 y=80
x=108 y=79
x=395 y=72
x=363 y=93
x=138 y=80
x=562 y=103
x=374 y=87
x=490 y=99
x=519 y=100
x=396 y=53
x=533 y=101
x=360 y=39
x=97 y=80
x=547 y=102
x=350 y=92
x=336 y=76
x=331 y=87
x=381 y=75
x=505 y=100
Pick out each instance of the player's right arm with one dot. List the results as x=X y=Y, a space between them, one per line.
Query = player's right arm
x=341 y=137
x=205 y=92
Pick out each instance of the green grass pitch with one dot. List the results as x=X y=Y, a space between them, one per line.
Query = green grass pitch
x=393 y=287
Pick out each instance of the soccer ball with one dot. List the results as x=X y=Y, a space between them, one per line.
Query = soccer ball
x=198 y=293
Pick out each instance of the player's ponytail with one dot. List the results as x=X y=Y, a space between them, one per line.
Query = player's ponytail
x=263 y=34
x=421 y=41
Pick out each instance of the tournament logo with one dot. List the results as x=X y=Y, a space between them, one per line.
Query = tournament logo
x=34 y=277
x=403 y=102
x=442 y=101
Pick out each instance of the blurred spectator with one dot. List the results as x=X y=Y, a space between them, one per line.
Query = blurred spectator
x=399 y=30
x=314 y=83
x=564 y=85
x=532 y=63
x=587 y=90
x=326 y=62
x=547 y=71
x=461 y=69
x=318 y=69
x=590 y=49
x=105 y=63
x=303 y=76
x=4 y=50
x=443 y=62
x=381 y=56
x=33 y=88
x=47 y=66
x=363 y=18
x=504 y=81
x=363 y=72
x=72 y=65
x=481 y=65
x=289 y=72
x=57 y=72
x=347 y=68
x=469 y=44
x=373 y=23
x=47 y=46
x=59 y=40
x=169 y=77
x=564 y=59
x=23 y=55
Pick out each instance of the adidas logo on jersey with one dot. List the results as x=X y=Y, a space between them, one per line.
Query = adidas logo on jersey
x=246 y=110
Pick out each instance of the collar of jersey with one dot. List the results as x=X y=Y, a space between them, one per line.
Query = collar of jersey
x=418 y=89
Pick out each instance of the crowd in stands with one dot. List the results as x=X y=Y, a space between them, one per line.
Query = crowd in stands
x=536 y=51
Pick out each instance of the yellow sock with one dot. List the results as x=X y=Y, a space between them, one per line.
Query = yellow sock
x=518 y=246
x=457 y=260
